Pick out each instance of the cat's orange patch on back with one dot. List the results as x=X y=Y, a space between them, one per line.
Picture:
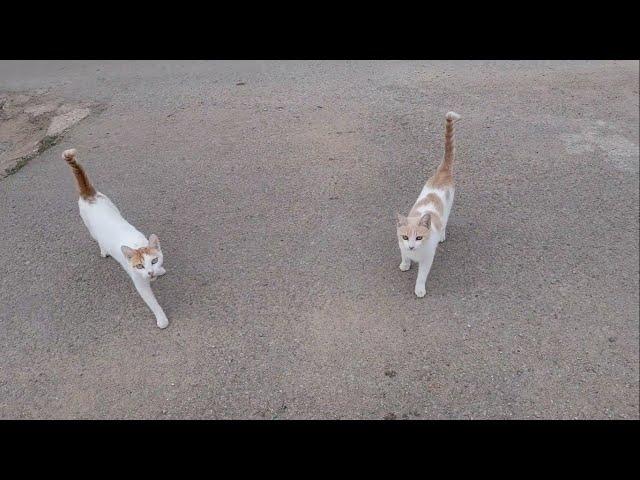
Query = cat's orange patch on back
x=430 y=199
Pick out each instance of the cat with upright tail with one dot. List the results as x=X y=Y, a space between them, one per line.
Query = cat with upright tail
x=420 y=232
x=141 y=258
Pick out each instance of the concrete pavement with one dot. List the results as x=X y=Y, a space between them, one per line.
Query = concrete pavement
x=273 y=188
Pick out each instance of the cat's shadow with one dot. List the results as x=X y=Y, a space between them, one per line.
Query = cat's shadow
x=459 y=265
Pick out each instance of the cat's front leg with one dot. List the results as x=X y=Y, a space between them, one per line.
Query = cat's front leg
x=144 y=289
x=424 y=266
x=405 y=264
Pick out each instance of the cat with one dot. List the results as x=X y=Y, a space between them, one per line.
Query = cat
x=141 y=258
x=420 y=232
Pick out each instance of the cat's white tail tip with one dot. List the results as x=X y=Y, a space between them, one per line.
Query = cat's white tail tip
x=69 y=154
x=452 y=116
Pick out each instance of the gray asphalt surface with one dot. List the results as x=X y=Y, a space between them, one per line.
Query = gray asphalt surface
x=275 y=204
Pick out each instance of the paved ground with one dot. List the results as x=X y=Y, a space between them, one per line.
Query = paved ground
x=273 y=189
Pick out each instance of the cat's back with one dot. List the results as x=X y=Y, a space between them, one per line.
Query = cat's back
x=99 y=206
x=443 y=192
x=109 y=227
x=103 y=218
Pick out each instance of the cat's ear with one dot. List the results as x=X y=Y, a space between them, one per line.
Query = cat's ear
x=154 y=241
x=127 y=252
x=402 y=220
x=425 y=220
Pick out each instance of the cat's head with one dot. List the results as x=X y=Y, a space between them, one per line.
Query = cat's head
x=145 y=261
x=413 y=232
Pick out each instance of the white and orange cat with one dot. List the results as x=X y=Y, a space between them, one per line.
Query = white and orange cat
x=117 y=238
x=426 y=224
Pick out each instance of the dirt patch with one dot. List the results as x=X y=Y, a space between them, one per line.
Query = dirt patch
x=31 y=122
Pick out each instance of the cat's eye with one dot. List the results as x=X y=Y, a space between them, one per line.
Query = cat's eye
x=418 y=238
x=404 y=237
x=154 y=261
x=139 y=266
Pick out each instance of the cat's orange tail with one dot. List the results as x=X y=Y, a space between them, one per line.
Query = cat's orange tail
x=85 y=188
x=449 y=143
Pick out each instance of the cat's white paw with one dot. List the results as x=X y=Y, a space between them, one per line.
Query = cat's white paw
x=443 y=237
x=405 y=266
x=103 y=254
x=421 y=291
x=162 y=322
